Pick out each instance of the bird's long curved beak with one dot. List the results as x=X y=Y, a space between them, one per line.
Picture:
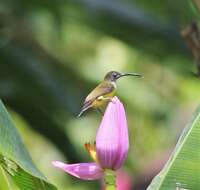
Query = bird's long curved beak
x=130 y=74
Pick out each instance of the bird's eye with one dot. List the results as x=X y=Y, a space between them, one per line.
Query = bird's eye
x=114 y=74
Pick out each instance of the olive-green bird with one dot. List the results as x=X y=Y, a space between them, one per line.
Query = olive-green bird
x=104 y=91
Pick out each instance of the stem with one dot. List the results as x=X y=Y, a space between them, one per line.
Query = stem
x=109 y=180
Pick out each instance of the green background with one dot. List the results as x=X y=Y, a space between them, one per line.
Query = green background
x=52 y=53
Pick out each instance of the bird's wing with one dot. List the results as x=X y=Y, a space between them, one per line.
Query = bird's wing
x=101 y=89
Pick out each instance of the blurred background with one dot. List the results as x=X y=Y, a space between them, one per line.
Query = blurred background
x=52 y=53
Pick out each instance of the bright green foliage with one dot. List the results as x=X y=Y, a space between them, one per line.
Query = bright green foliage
x=15 y=160
x=182 y=171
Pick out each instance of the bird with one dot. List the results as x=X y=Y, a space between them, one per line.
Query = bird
x=104 y=91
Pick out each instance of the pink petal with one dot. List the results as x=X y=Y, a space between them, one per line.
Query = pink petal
x=123 y=181
x=85 y=171
x=112 y=141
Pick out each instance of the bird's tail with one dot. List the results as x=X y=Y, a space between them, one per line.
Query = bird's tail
x=81 y=112
x=84 y=108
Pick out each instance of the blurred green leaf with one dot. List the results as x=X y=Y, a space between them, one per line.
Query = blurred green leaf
x=183 y=168
x=195 y=5
x=15 y=159
x=32 y=75
x=122 y=20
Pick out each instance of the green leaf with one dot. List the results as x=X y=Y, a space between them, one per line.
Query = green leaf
x=15 y=159
x=182 y=171
x=195 y=5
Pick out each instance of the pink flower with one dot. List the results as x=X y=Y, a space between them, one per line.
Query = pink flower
x=112 y=137
x=86 y=171
x=111 y=145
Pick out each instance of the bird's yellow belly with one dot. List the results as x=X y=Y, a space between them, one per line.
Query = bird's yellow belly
x=102 y=100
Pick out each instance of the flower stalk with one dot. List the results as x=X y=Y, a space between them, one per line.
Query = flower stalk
x=109 y=179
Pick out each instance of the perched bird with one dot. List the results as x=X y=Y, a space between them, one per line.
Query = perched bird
x=104 y=91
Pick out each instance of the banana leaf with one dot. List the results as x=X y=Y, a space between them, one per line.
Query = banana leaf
x=182 y=171
x=15 y=159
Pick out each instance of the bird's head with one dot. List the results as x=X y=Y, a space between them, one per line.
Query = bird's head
x=114 y=75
